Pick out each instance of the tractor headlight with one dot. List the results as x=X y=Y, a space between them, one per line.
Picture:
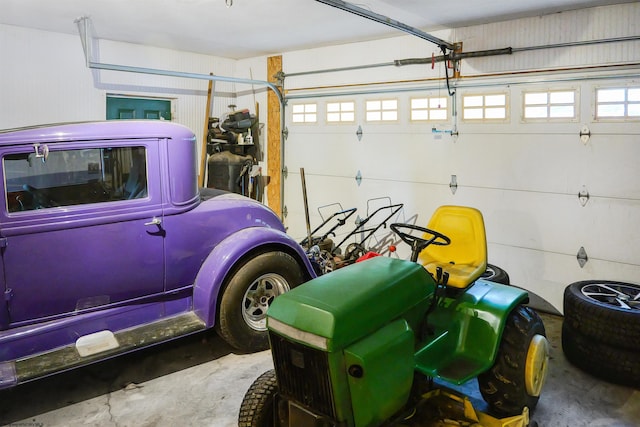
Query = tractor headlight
x=298 y=335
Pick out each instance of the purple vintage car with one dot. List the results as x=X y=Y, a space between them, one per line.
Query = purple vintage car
x=108 y=246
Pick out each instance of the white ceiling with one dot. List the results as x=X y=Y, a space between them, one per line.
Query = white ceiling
x=250 y=28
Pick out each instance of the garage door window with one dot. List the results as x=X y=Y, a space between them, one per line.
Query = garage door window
x=382 y=110
x=305 y=113
x=618 y=103
x=341 y=112
x=74 y=177
x=549 y=105
x=489 y=107
x=429 y=109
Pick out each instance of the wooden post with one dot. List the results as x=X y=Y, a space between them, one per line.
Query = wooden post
x=274 y=138
x=203 y=146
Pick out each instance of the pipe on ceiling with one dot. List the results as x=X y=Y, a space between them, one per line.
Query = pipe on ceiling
x=463 y=55
x=452 y=57
x=86 y=38
x=470 y=82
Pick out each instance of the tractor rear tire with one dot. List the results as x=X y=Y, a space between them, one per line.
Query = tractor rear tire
x=517 y=376
x=256 y=409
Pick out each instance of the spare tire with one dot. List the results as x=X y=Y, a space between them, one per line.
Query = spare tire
x=605 y=311
x=613 y=364
x=496 y=274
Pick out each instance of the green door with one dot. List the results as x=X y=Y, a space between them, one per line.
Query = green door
x=122 y=108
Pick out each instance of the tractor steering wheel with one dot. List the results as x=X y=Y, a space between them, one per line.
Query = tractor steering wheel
x=418 y=243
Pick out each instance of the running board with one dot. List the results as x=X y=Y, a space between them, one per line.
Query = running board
x=104 y=344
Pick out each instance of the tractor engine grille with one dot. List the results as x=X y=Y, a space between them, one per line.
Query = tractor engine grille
x=303 y=375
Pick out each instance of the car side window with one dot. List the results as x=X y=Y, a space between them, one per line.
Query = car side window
x=74 y=177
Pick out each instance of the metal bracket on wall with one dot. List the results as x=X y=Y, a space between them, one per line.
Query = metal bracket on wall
x=279 y=76
x=285 y=211
x=285 y=133
x=585 y=134
x=359 y=133
x=359 y=178
x=583 y=196
x=453 y=184
x=437 y=132
x=285 y=172
x=582 y=257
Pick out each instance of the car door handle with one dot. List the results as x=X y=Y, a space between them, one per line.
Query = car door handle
x=155 y=221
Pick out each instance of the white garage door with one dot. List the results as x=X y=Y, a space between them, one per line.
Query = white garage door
x=518 y=156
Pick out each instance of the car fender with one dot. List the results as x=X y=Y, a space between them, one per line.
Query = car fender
x=227 y=254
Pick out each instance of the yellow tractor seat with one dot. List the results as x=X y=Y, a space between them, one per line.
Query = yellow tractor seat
x=465 y=258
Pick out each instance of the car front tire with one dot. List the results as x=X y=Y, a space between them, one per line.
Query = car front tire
x=247 y=295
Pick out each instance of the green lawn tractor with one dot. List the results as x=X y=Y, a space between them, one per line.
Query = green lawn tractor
x=375 y=343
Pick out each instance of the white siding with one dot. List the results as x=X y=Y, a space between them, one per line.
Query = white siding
x=568 y=27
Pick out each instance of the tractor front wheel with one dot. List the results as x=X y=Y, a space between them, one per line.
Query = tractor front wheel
x=256 y=409
x=517 y=376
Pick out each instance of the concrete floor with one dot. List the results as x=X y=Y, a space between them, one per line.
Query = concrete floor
x=200 y=381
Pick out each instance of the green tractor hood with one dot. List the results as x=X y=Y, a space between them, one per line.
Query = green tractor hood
x=339 y=308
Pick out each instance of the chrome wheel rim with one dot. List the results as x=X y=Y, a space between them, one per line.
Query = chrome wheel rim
x=259 y=297
x=620 y=295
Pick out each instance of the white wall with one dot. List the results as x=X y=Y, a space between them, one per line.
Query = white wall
x=44 y=79
x=524 y=177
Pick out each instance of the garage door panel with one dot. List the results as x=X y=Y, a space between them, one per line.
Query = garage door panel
x=328 y=155
x=612 y=166
x=535 y=271
x=547 y=274
x=557 y=223
x=531 y=163
x=610 y=230
x=560 y=224
x=539 y=222
x=408 y=158
x=606 y=165
x=376 y=156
